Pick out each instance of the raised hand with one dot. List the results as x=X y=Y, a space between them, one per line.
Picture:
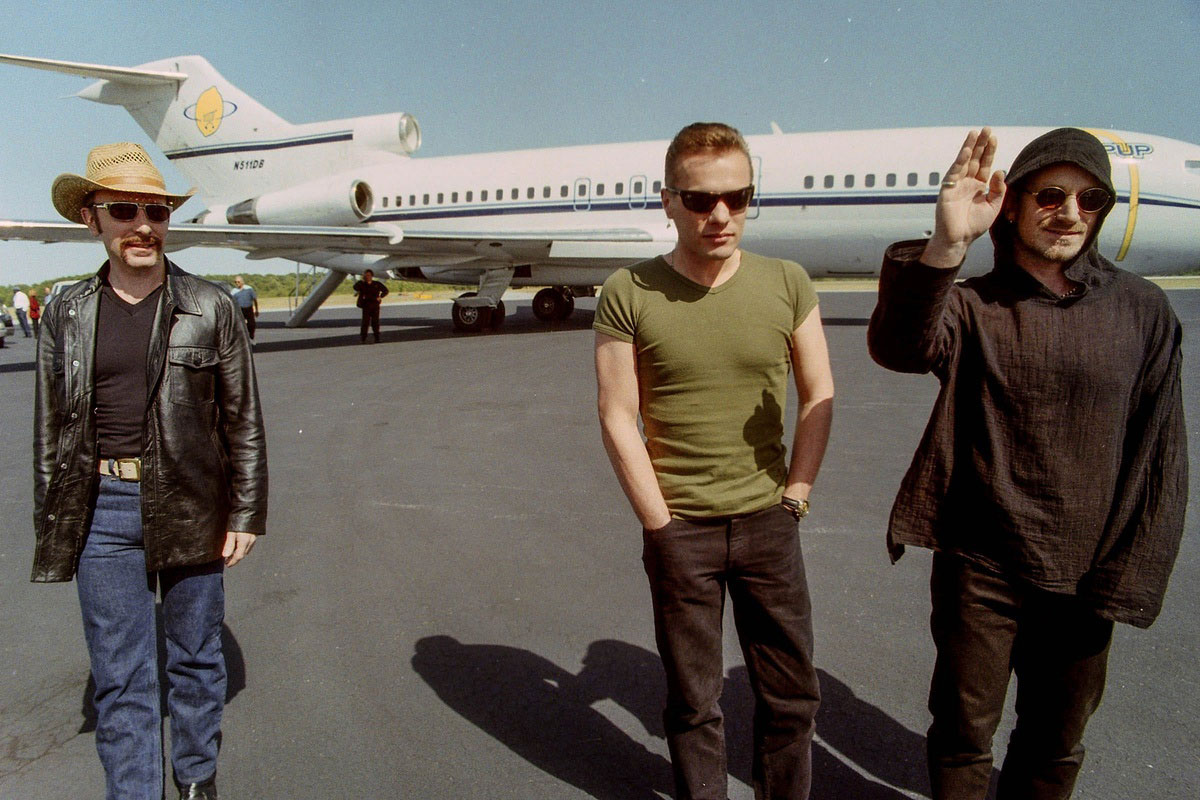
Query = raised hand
x=971 y=197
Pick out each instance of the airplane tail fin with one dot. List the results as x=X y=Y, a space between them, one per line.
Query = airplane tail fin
x=227 y=143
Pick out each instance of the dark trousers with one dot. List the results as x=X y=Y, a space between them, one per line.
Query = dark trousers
x=248 y=315
x=757 y=557
x=370 y=316
x=116 y=597
x=986 y=627
x=24 y=320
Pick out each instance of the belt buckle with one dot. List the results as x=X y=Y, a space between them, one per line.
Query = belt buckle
x=126 y=469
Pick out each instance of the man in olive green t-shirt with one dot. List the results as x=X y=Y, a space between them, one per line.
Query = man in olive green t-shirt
x=699 y=344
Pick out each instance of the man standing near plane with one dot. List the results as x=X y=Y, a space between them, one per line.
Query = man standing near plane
x=149 y=468
x=247 y=300
x=370 y=294
x=1051 y=480
x=21 y=306
x=699 y=343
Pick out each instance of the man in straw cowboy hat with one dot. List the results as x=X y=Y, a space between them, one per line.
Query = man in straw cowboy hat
x=150 y=472
x=1051 y=481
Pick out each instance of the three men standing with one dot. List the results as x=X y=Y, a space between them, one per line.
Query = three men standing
x=149 y=471
x=699 y=344
x=1051 y=480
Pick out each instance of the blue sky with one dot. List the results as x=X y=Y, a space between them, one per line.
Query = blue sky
x=482 y=76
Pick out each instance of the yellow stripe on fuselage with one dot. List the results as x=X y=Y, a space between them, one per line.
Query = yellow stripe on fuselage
x=1134 y=186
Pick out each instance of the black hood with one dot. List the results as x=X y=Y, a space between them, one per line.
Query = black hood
x=1062 y=145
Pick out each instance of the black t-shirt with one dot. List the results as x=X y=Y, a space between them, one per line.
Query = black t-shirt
x=371 y=292
x=122 y=345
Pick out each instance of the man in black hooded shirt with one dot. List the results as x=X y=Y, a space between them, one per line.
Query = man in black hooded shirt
x=1051 y=480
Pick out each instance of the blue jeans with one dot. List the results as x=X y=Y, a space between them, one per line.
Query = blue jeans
x=117 y=598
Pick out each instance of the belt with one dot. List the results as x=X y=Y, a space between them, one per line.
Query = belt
x=125 y=469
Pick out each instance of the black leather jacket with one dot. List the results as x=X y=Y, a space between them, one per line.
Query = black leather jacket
x=204 y=452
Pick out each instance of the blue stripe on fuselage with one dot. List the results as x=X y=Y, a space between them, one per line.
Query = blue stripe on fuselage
x=254 y=147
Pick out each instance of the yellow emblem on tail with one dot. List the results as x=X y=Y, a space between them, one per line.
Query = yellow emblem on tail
x=210 y=108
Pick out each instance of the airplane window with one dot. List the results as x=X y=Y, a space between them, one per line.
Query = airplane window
x=869 y=180
x=891 y=179
x=545 y=191
x=454 y=197
x=499 y=195
x=582 y=190
x=828 y=181
x=619 y=189
x=384 y=198
x=469 y=196
x=563 y=191
x=529 y=193
x=657 y=187
x=441 y=198
x=599 y=189
x=412 y=199
x=516 y=193
x=483 y=196
x=849 y=181
x=808 y=181
x=933 y=179
x=425 y=200
x=912 y=179
x=637 y=187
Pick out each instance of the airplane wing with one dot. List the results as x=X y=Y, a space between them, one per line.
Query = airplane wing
x=294 y=241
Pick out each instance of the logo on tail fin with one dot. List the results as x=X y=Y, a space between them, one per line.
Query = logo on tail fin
x=208 y=111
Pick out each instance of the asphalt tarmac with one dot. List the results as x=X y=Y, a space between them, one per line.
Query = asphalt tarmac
x=450 y=600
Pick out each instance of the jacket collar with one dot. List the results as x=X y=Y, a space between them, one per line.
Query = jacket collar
x=178 y=292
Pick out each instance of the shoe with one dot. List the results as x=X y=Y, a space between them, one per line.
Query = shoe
x=199 y=791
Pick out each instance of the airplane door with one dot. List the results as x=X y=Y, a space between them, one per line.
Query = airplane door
x=637 y=192
x=583 y=194
x=752 y=212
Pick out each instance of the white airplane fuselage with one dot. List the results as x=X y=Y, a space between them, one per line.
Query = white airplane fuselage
x=567 y=217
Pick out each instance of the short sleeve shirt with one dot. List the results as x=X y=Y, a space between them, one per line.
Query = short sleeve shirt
x=712 y=366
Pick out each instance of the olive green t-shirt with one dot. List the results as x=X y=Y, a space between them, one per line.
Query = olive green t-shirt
x=712 y=367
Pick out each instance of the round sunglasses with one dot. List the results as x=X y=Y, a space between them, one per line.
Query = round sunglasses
x=1089 y=200
x=125 y=211
x=705 y=202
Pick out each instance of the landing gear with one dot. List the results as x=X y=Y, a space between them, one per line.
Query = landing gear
x=472 y=319
x=553 y=304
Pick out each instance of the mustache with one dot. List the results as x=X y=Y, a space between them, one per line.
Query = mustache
x=142 y=241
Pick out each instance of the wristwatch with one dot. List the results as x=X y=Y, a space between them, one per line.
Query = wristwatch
x=797 y=508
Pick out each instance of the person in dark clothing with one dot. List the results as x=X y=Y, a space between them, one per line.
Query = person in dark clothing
x=150 y=474
x=370 y=292
x=1051 y=480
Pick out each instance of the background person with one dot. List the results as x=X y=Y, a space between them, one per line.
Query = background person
x=370 y=293
x=247 y=300
x=20 y=304
x=35 y=311
x=1051 y=480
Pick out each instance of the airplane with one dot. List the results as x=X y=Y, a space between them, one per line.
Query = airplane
x=347 y=195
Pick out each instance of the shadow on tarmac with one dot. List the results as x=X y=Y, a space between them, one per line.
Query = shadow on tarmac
x=235 y=672
x=545 y=714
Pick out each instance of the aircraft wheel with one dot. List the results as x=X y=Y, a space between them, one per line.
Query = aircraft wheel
x=497 y=315
x=469 y=319
x=547 y=304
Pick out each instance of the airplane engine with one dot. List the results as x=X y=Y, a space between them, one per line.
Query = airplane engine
x=392 y=133
x=333 y=201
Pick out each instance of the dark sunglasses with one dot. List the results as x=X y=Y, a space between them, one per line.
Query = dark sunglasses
x=125 y=211
x=1089 y=200
x=705 y=202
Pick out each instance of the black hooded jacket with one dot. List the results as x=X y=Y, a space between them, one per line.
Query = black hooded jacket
x=1056 y=450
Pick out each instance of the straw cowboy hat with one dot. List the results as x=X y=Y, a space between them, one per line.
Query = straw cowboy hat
x=119 y=167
